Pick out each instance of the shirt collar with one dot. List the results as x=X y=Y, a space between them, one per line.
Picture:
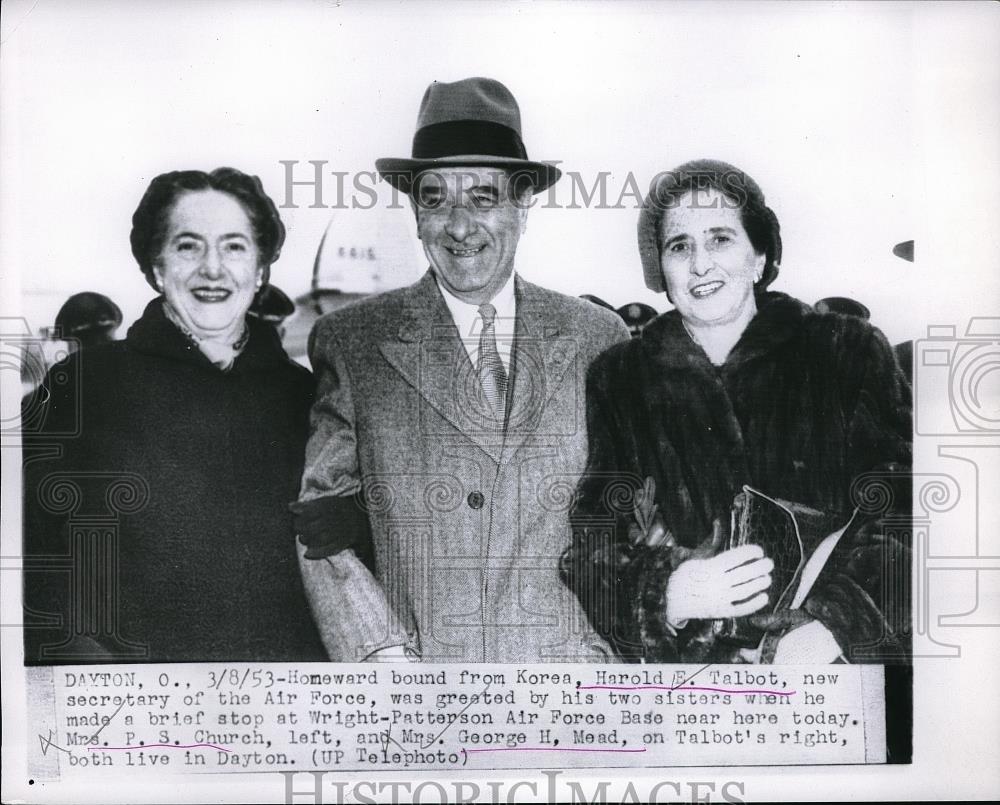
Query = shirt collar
x=466 y=315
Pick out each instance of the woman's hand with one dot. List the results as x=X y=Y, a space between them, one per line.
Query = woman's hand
x=803 y=639
x=811 y=643
x=728 y=585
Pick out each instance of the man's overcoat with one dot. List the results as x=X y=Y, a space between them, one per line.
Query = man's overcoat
x=456 y=526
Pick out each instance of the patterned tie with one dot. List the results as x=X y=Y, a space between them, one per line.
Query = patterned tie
x=492 y=375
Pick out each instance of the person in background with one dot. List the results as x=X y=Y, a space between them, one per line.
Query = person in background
x=88 y=319
x=185 y=441
x=738 y=385
x=851 y=307
x=84 y=320
x=273 y=306
x=843 y=305
x=636 y=316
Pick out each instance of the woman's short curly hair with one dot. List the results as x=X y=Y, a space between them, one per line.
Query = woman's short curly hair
x=149 y=222
x=665 y=192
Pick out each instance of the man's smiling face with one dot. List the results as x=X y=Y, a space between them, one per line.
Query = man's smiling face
x=469 y=223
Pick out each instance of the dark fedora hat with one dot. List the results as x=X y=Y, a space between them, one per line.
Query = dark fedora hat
x=474 y=122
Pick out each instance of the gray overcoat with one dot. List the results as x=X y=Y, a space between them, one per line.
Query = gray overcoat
x=420 y=523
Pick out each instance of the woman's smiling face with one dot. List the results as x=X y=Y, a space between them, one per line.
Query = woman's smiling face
x=708 y=263
x=209 y=269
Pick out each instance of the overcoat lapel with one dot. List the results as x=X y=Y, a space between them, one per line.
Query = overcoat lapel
x=429 y=355
x=542 y=359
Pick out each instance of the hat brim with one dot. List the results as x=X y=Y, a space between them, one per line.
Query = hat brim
x=400 y=173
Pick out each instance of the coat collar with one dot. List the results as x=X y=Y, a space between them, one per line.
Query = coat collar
x=154 y=334
x=779 y=317
x=430 y=356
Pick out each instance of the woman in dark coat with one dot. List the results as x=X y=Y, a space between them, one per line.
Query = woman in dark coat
x=739 y=386
x=158 y=468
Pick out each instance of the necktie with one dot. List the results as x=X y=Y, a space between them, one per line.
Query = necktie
x=492 y=375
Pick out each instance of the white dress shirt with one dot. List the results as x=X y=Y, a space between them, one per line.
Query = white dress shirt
x=470 y=323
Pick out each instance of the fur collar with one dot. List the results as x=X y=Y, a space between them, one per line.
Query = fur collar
x=666 y=343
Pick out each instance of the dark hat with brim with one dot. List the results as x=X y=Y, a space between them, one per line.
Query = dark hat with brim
x=87 y=312
x=474 y=122
x=637 y=315
x=271 y=304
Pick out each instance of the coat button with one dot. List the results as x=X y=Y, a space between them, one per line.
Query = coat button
x=476 y=500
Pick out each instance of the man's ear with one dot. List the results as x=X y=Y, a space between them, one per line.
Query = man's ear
x=523 y=205
x=416 y=214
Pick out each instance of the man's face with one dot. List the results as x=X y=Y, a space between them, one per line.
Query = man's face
x=469 y=225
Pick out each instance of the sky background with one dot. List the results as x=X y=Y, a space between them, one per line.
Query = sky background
x=866 y=125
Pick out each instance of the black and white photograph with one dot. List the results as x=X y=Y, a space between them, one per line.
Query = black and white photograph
x=499 y=401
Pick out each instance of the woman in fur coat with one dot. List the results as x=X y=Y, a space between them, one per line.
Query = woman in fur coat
x=739 y=386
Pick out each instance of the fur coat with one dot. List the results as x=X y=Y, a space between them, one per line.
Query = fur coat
x=810 y=408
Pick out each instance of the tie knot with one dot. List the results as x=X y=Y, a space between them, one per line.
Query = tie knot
x=488 y=312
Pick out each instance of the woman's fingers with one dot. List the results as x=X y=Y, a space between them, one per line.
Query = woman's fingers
x=748 y=607
x=729 y=585
x=748 y=588
x=735 y=557
x=749 y=571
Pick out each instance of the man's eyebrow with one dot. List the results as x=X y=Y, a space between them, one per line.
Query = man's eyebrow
x=720 y=229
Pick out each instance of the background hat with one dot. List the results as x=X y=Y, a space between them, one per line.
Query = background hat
x=87 y=312
x=474 y=122
x=598 y=301
x=843 y=305
x=271 y=304
x=637 y=315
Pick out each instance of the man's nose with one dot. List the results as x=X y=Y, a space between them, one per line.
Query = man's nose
x=460 y=223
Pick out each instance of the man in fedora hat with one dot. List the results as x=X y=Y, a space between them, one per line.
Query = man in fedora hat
x=449 y=429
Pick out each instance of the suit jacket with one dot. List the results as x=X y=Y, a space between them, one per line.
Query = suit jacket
x=455 y=527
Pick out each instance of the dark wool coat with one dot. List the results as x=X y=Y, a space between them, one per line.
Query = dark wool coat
x=192 y=468
x=810 y=408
